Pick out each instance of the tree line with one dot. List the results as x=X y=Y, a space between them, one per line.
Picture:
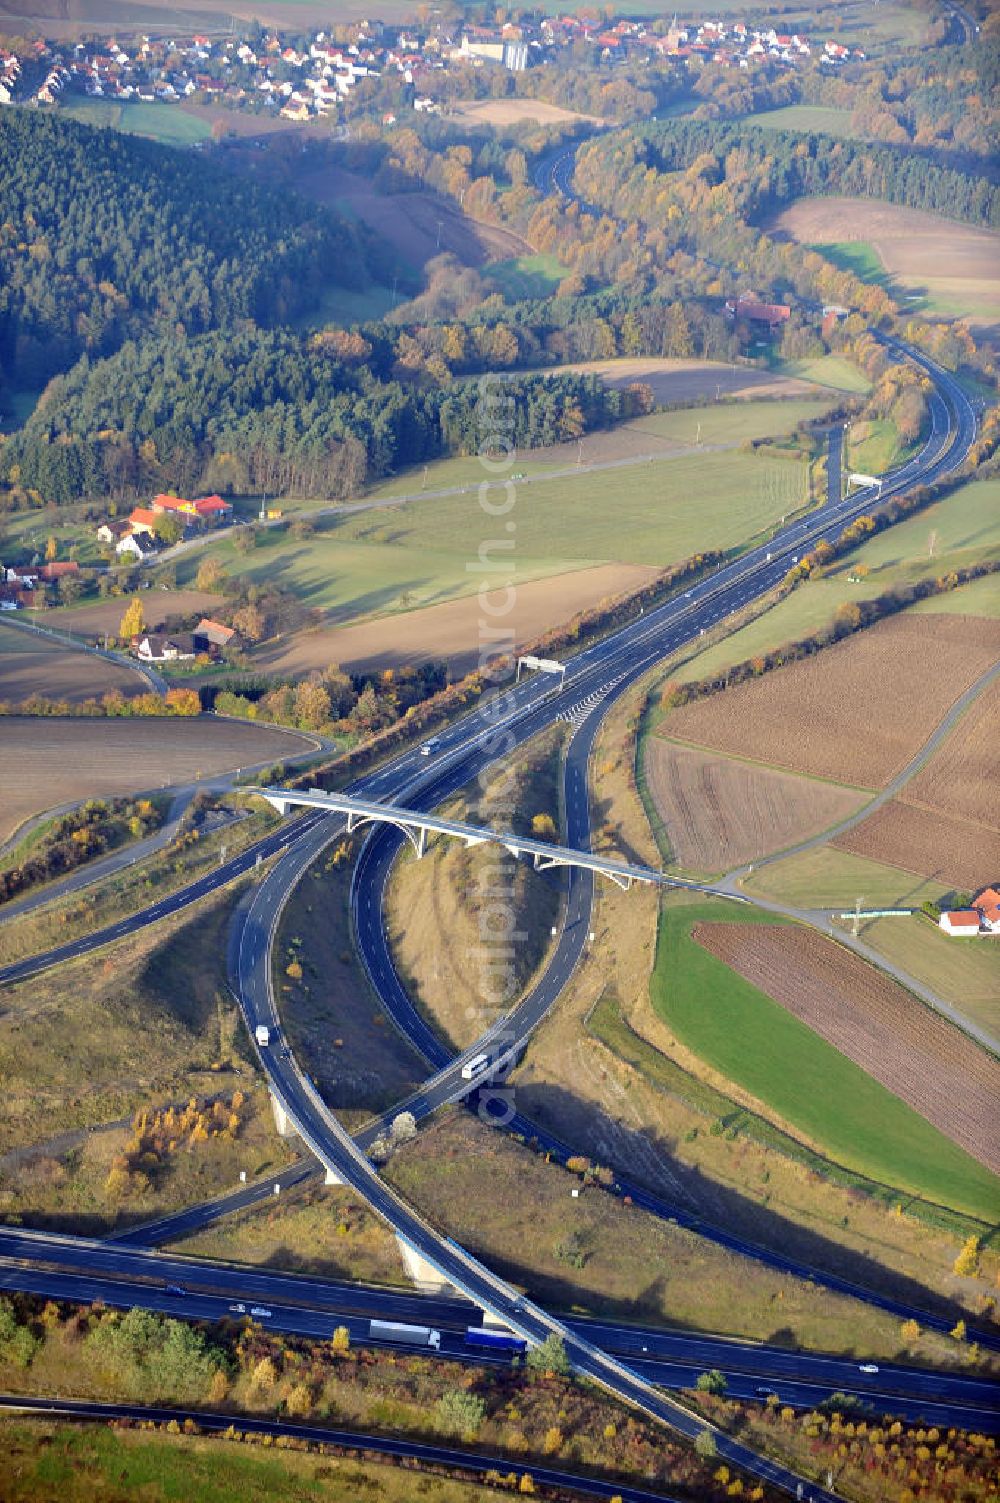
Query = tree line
x=266 y=411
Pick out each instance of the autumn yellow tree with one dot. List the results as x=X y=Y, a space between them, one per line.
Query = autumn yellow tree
x=967 y=1261
x=134 y=621
x=51 y=549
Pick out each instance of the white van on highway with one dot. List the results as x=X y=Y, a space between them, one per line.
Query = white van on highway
x=431 y=746
x=475 y=1066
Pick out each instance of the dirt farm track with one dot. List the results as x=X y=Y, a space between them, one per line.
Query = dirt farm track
x=910 y=1050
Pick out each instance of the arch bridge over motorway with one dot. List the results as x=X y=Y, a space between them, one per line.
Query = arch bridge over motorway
x=416 y=826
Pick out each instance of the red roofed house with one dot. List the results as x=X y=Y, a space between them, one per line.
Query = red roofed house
x=755 y=312
x=987 y=904
x=960 y=921
x=207 y=509
x=209 y=636
x=50 y=572
x=141 y=519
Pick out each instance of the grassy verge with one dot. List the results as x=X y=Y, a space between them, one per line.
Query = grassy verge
x=133 y=888
x=324 y=1231
x=752 y=1040
x=596 y=1254
x=828 y=877
x=85 y=1047
x=336 y=1024
x=441 y=909
x=95 y=1463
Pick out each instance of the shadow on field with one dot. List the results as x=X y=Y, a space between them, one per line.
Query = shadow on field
x=687 y=1195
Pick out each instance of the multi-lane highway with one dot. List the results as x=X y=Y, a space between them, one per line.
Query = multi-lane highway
x=595 y=678
x=598 y=675
x=118 y=1276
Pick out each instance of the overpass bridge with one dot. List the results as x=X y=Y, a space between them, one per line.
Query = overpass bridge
x=417 y=826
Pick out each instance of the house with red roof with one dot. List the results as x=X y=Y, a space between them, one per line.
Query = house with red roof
x=52 y=572
x=143 y=519
x=960 y=921
x=987 y=905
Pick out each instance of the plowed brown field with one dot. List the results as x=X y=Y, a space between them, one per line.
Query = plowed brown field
x=719 y=813
x=958 y=853
x=45 y=761
x=32 y=664
x=907 y=1048
x=946 y=822
x=855 y=713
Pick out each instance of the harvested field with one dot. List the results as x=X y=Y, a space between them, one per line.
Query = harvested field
x=452 y=630
x=856 y=712
x=46 y=762
x=32 y=664
x=105 y=615
x=953 y=266
x=718 y=812
x=907 y=1048
x=419 y=226
x=943 y=825
x=501 y=112
x=956 y=778
x=912 y=244
x=693 y=380
x=962 y=853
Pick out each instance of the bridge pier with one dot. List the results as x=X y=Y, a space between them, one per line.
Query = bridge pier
x=422 y=1273
x=281 y=1119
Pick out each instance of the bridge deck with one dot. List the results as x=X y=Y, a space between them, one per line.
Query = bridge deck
x=417 y=825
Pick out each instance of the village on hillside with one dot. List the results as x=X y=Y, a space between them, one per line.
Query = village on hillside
x=270 y=72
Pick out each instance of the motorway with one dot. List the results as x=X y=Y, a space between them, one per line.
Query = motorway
x=87 y=1271
x=595 y=678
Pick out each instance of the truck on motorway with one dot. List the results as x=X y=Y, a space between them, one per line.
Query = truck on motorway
x=495 y=1341
x=263 y=1035
x=395 y=1330
x=475 y=1066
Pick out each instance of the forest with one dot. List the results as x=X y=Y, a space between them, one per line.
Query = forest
x=266 y=411
x=105 y=235
x=770 y=168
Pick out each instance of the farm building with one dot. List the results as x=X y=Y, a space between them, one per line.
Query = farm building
x=962 y=921
x=210 y=635
x=751 y=310
x=152 y=648
x=987 y=905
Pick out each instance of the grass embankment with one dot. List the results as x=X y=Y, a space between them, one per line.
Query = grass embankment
x=146 y=1026
x=750 y=1039
x=324 y=1231
x=335 y=1022
x=96 y=1464
x=134 y=888
x=597 y=1255
x=443 y=910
